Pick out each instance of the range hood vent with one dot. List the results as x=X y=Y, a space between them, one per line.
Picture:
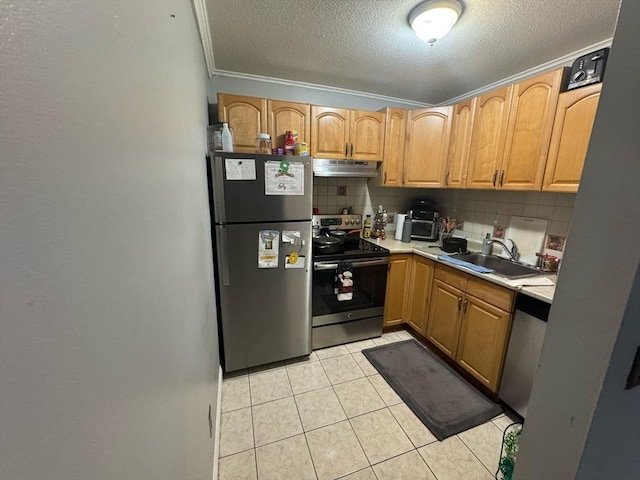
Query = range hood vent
x=344 y=168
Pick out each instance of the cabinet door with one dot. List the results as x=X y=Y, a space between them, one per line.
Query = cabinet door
x=427 y=146
x=366 y=135
x=329 y=132
x=395 y=301
x=283 y=116
x=575 y=115
x=461 y=129
x=483 y=341
x=418 y=303
x=394 y=136
x=247 y=116
x=488 y=137
x=443 y=326
x=533 y=108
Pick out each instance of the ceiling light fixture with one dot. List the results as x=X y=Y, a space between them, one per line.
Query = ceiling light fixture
x=432 y=20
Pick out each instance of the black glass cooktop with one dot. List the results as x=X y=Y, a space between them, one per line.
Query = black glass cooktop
x=354 y=249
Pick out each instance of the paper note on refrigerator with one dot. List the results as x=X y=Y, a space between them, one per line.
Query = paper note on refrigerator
x=240 y=168
x=284 y=178
x=268 y=248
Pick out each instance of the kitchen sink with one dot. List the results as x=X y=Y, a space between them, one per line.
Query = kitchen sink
x=501 y=266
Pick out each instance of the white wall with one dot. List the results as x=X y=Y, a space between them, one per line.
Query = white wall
x=108 y=345
x=581 y=422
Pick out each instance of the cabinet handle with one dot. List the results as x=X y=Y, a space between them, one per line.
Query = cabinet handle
x=385 y=178
x=464 y=305
x=446 y=179
x=459 y=302
x=495 y=175
x=346 y=150
x=352 y=150
x=501 y=177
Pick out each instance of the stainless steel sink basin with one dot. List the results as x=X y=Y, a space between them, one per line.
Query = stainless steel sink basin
x=501 y=266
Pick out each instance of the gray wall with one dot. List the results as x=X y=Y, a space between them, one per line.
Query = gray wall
x=581 y=421
x=302 y=94
x=108 y=346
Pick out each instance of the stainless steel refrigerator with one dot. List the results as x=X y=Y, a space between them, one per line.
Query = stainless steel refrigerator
x=261 y=213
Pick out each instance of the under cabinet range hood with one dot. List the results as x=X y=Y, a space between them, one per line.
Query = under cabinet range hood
x=344 y=168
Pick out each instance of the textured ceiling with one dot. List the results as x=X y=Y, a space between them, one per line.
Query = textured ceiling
x=367 y=45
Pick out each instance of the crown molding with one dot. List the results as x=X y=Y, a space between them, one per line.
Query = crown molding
x=202 y=18
x=545 y=67
x=324 y=88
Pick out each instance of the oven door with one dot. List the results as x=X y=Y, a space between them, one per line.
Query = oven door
x=369 y=287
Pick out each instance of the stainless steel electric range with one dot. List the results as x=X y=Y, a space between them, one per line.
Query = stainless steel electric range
x=346 y=306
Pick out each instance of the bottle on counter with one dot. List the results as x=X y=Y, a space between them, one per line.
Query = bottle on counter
x=366 y=231
x=227 y=138
x=486 y=245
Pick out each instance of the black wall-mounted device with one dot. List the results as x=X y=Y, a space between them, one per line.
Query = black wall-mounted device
x=588 y=69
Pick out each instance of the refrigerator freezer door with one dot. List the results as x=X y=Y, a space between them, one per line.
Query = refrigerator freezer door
x=244 y=200
x=265 y=313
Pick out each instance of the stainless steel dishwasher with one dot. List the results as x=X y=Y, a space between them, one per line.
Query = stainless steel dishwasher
x=523 y=353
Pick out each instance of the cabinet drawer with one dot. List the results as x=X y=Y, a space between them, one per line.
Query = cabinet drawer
x=495 y=295
x=451 y=276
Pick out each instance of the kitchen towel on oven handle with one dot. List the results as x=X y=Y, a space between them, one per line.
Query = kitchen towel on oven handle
x=343 y=286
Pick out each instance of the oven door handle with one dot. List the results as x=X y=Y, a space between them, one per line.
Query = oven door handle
x=354 y=264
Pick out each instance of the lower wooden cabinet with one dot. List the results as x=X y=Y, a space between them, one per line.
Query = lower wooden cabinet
x=443 y=329
x=395 y=302
x=472 y=331
x=483 y=340
x=421 y=278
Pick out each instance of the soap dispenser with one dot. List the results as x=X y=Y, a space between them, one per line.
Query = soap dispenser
x=486 y=245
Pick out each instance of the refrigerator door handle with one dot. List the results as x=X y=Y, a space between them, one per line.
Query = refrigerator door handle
x=356 y=264
x=219 y=209
x=223 y=254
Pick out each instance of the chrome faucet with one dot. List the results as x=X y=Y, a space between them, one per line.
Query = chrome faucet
x=512 y=252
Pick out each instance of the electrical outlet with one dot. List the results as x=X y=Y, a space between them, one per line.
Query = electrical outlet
x=634 y=375
x=342 y=190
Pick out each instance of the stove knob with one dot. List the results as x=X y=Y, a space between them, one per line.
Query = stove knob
x=351 y=221
x=357 y=221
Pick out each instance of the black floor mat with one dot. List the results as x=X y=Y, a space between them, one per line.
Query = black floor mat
x=445 y=402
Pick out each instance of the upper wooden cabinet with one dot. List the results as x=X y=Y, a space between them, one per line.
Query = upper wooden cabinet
x=247 y=116
x=489 y=132
x=394 y=139
x=511 y=133
x=284 y=116
x=340 y=133
x=427 y=146
x=533 y=107
x=572 y=127
x=461 y=130
x=329 y=132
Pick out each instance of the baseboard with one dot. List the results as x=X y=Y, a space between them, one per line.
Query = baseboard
x=216 y=432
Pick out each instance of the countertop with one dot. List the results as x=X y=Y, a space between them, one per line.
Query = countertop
x=432 y=251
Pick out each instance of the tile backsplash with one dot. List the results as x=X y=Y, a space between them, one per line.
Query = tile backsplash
x=480 y=210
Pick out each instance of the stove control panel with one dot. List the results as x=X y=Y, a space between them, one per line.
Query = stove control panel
x=336 y=222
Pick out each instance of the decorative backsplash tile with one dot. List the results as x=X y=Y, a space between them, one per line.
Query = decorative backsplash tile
x=479 y=210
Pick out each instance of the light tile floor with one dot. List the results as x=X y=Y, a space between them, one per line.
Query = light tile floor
x=332 y=416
